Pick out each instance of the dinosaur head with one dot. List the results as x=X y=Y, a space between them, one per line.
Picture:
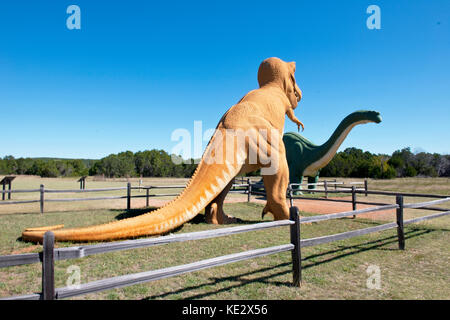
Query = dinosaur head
x=274 y=71
x=363 y=116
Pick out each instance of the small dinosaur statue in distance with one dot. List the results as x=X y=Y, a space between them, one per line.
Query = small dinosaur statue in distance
x=306 y=159
x=260 y=112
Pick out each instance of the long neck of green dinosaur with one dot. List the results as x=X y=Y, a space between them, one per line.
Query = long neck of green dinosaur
x=325 y=152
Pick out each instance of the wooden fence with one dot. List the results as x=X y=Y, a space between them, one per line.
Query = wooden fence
x=49 y=254
x=355 y=191
x=247 y=188
x=237 y=188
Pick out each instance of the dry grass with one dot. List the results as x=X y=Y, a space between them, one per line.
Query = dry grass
x=413 y=185
x=34 y=182
x=331 y=271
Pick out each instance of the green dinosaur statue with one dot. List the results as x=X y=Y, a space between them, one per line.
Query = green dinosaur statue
x=306 y=159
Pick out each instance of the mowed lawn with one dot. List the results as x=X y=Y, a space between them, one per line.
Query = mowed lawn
x=332 y=271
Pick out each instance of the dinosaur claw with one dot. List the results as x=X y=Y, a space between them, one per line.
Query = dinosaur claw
x=263 y=213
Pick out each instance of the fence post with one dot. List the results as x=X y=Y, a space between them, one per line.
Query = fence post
x=128 y=195
x=326 y=189
x=42 y=191
x=335 y=184
x=48 y=267
x=366 y=186
x=4 y=189
x=353 y=200
x=147 y=194
x=249 y=190
x=296 y=252
x=400 y=230
x=290 y=195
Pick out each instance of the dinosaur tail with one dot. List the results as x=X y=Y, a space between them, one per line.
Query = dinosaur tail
x=206 y=183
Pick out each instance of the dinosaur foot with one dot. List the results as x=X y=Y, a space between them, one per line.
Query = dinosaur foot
x=224 y=219
x=265 y=211
x=215 y=215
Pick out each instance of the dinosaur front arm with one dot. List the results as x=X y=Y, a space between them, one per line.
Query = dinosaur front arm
x=291 y=115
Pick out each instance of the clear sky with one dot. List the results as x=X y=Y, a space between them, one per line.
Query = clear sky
x=138 y=70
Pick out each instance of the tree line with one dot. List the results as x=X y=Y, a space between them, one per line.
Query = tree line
x=351 y=162
x=356 y=163
x=149 y=163
x=45 y=167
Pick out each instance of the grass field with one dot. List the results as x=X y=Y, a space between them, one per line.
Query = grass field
x=331 y=271
x=417 y=185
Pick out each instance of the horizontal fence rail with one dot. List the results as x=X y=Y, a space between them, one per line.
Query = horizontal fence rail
x=345 y=235
x=19 y=259
x=405 y=194
x=346 y=214
x=19 y=190
x=85 y=199
x=160 y=187
x=425 y=204
x=83 y=190
x=431 y=216
x=19 y=202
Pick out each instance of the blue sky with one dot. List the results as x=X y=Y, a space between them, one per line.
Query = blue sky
x=138 y=70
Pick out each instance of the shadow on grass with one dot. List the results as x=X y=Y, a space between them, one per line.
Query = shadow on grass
x=198 y=219
x=125 y=214
x=358 y=248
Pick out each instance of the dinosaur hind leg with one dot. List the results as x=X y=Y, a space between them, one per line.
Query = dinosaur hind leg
x=214 y=210
x=276 y=186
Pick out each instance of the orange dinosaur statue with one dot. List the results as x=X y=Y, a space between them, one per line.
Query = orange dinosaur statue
x=260 y=115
